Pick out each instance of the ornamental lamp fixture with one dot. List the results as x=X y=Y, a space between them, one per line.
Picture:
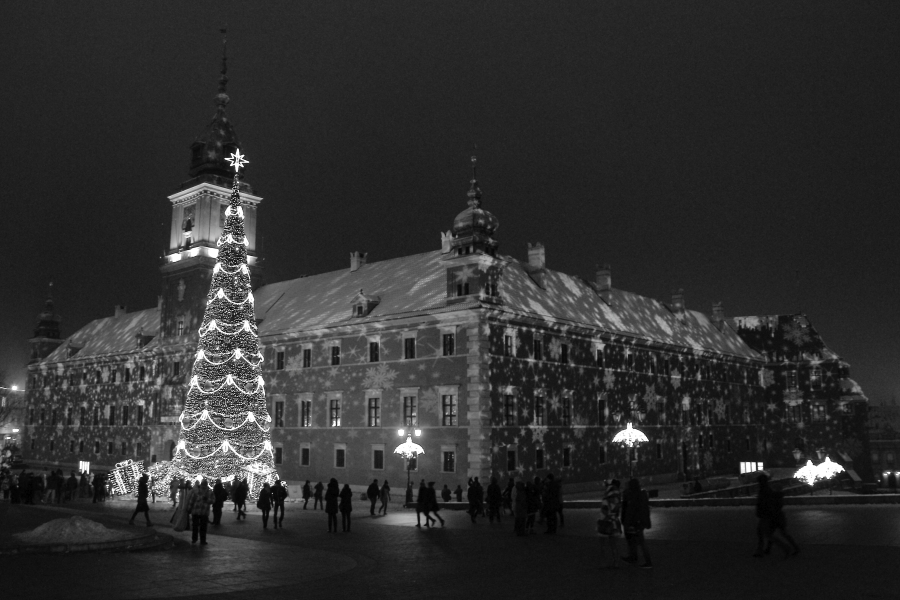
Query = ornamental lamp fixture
x=821 y=453
x=409 y=450
x=797 y=454
x=630 y=438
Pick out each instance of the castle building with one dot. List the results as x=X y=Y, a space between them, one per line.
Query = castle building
x=504 y=366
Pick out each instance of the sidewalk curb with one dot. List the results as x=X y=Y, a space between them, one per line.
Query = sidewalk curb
x=144 y=542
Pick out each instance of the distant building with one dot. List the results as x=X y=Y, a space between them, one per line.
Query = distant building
x=884 y=443
x=507 y=367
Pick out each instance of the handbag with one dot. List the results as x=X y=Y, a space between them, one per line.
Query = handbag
x=605 y=527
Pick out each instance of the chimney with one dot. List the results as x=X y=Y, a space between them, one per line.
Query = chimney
x=446 y=238
x=536 y=257
x=603 y=282
x=678 y=303
x=119 y=310
x=718 y=315
x=357 y=259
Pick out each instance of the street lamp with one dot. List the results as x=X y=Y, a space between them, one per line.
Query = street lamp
x=797 y=454
x=630 y=438
x=409 y=450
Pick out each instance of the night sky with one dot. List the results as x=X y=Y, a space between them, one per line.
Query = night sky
x=718 y=147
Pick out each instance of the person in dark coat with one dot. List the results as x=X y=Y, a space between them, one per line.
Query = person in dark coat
x=409 y=494
x=770 y=511
x=307 y=493
x=494 y=500
x=60 y=485
x=508 y=494
x=239 y=491
x=520 y=507
x=142 y=506
x=635 y=519
x=346 y=507
x=384 y=494
x=471 y=496
x=279 y=494
x=446 y=494
x=331 y=504
x=422 y=506
x=550 y=501
x=433 y=502
x=533 y=502
x=71 y=486
x=84 y=485
x=265 y=503
x=317 y=496
x=372 y=495
x=98 y=488
x=459 y=493
x=219 y=497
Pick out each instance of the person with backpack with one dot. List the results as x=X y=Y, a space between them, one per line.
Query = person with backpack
x=635 y=519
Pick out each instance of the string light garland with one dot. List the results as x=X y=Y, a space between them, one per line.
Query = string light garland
x=225 y=424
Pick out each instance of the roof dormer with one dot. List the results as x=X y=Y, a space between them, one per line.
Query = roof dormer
x=363 y=304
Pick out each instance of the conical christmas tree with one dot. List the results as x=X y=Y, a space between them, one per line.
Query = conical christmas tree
x=225 y=423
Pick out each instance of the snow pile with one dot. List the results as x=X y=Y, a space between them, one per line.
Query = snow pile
x=73 y=530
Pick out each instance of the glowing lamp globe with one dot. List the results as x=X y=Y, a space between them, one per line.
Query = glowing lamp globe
x=408 y=449
x=630 y=437
x=808 y=473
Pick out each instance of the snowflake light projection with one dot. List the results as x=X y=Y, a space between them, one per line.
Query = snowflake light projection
x=225 y=423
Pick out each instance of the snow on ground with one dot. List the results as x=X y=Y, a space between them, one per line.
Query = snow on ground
x=72 y=530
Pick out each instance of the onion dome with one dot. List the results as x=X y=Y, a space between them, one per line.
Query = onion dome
x=474 y=220
x=48 y=320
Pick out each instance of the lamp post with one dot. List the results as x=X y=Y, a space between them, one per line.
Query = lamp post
x=797 y=455
x=630 y=438
x=409 y=450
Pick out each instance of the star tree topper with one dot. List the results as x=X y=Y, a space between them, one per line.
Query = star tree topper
x=237 y=160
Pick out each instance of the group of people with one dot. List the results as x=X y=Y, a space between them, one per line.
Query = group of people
x=52 y=487
x=625 y=513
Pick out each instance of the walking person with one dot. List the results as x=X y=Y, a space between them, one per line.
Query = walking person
x=520 y=507
x=422 y=506
x=317 y=495
x=385 y=495
x=199 y=503
x=331 y=504
x=471 y=494
x=141 y=501
x=372 y=495
x=508 y=495
x=610 y=523
x=240 y=492
x=433 y=503
x=307 y=493
x=635 y=519
x=219 y=497
x=494 y=500
x=279 y=494
x=173 y=491
x=770 y=511
x=346 y=507
x=264 y=503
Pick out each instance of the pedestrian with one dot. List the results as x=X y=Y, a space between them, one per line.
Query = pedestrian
x=83 y=486
x=409 y=494
x=198 y=505
x=533 y=502
x=635 y=519
x=181 y=517
x=279 y=494
x=459 y=493
x=471 y=493
x=346 y=507
x=433 y=503
x=219 y=497
x=60 y=486
x=494 y=500
x=264 y=503
x=241 y=490
x=479 y=497
x=422 y=506
x=446 y=494
x=609 y=525
x=142 y=506
x=385 y=496
x=508 y=494
x=331 y=504
x=372 y=495
x=98 y=489
x=520 y=507
x=550 y=503
x=772 y=521
x=559 y=502
x=317 y=496
x=173 y=491
x=71 y=486
x=307 y=493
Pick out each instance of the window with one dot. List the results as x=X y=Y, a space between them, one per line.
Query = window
x=747 y=443
x=109 y=448
x=180 y=327
x=140 y=416
x=509 y=410
x=72 y=447
x=658 y=450
x=340 y=456
x=449 y=344
x=124 y=449
x=127 y=374
x=279 y=455
x=602 y=414
x=378 y=457
x=409 y=348
x=601 y=454
x=359 y=310
x=539 y=412
x=81 y=445
x=374 y=412
x=69 y=416
x=448 y=461
x=96 y=420
x=815 y=378
x=508 y=345
x=124 y=415
x=32 y=444
x=42 y=417
x=538 y=458
x=537 y=348
x=304 y=456
x=511 y=463
x=305 y=413
x=629 y=360
x=335 y=412
x=599 y=354
x=875 y=457
x=53 y=417
x=410 y=411
x=82 y=416
x=374 y=350
x=279 y=360
x=52 y=445
x=818 y=411
x=566 y=416
x=791 y=376
x=112 y=415
x=567 y=457
x=652 y=366
x=448 y=403
x=712 y=442
x=793 y=414
x=176 y=368
x=279 y=413
x=307 y=357
x=564 y=353
x=889 y=458
x=31 y=416
x=143 y=372
x=113 y=375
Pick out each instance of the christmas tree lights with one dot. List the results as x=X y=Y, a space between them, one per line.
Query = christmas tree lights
x=225 y=423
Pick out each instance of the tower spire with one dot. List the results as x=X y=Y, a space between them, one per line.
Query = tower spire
x=474 y=190
x=222 y=98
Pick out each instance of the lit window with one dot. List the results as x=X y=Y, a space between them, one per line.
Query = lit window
x=794 y=414
x=448 y=464
x=305 y=413
x=279 y=413
x=449 y=344
x=409 y=348
x=335 y=409
x=335 y=355
x=448 y=404
x=374 y=412
x=180 y=327
x=539 y=418
x=818 y=411
x=410 y=411
x=509 y=410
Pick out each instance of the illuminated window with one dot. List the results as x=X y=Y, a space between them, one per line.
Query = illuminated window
x=538 y=458
x=340 y=456
x=378 y=457
x=791 y=375
x=508 y=345
x=448 y=460
x=566 y=416
x=815 y=378
x=305 y=412
x=793 y=414
x=539 y=412
x=567 y=456
x=410 y=411
x=537 y=348
x=279 y=413
x=335 y=412
x=179 y=328
x=279 y=360
x=449 y=344
x=374 y=350
x=304 y=456
x=448 y=404
x=335 y=355
x=818 y=411
x=375 y=412
x=509 y=410
x=409 y=347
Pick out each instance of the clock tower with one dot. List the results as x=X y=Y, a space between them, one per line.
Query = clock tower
x=198 y=216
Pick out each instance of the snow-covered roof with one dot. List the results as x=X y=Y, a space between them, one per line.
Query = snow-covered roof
x=110 y=335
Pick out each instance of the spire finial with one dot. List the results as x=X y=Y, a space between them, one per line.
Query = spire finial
x=474 y=190
x=222 y=97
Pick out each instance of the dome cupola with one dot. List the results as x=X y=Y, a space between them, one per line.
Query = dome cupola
x=473 y=228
